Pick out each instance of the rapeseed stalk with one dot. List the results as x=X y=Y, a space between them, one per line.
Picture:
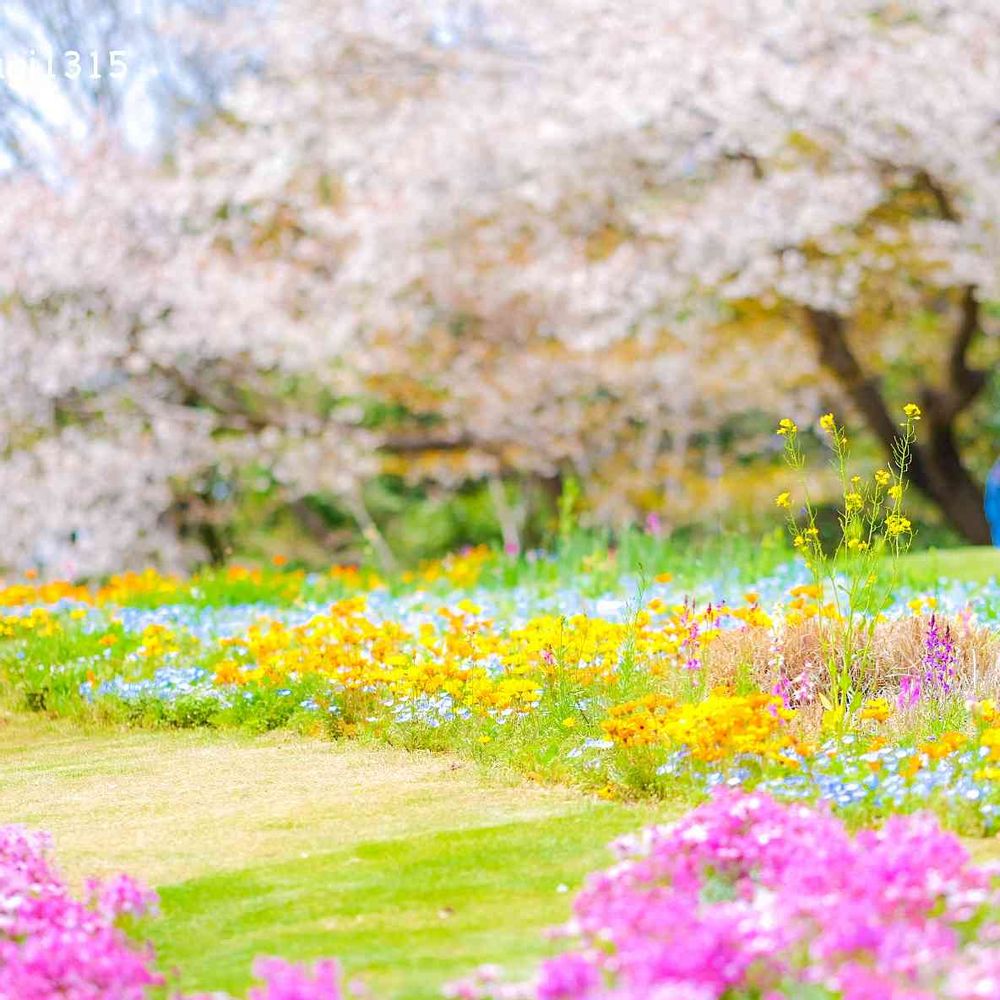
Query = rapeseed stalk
x=853 y=581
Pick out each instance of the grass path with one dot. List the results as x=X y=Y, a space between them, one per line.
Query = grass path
x=413 y=868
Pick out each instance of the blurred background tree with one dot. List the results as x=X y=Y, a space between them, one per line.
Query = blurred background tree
x=397 y=258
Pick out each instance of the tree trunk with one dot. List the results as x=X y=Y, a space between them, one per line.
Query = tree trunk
x=948 y=482
x=937 y=469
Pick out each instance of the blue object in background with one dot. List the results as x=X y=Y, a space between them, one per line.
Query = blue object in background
x=993 y=502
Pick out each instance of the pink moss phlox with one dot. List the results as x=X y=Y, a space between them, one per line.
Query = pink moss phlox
x=748 y=897
x=53 y=945
x=285 y=981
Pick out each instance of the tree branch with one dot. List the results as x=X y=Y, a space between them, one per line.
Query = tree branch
x=964 y=382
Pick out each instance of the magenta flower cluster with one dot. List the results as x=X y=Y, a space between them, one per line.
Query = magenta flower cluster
x=750 y=898
x=938 y=667
x=281 y=980
x=54 y=945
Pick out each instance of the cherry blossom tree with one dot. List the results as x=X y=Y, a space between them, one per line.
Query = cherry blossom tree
x=584 y=236
x=830 y=169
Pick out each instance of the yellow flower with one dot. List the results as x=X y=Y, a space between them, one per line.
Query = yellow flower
x=896 y=491
x=853 y=502
x=783 y=500
x=896 y=525
x=986 y=710
x=945 y=744
x=569 y=722
x=722 y=726
x=833 y=717
x=876 y=709
x=991 y=740
x=912 y=411
x=828 y=423
x=882 y=477
x=786 y=426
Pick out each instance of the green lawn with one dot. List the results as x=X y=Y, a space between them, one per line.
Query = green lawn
x=413 y=868
x=977 y=564
x=409 y=913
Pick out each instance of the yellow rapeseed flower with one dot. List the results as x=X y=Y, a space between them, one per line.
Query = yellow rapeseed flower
x=896 y=525
x=853 y=502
